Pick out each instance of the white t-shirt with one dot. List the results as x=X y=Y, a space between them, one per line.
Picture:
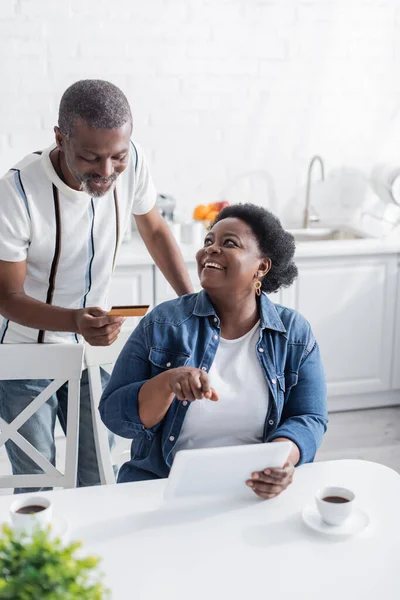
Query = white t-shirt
x=68 y=239
x=238 y=417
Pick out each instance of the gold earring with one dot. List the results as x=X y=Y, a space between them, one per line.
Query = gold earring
x=257 y=287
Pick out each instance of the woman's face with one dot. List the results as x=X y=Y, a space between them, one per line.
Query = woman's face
x=230 y=258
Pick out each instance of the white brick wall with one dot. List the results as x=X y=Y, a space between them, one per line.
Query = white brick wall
x=218 y=88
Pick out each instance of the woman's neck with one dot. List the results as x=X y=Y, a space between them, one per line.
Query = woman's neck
x=237 y=315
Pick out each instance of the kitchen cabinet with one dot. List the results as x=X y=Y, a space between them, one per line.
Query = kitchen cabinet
x=164 y=292
x=350 y=303
x=132 y=285
x=396 y=350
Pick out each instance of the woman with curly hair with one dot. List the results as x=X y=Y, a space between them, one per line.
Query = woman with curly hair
x=225 y=366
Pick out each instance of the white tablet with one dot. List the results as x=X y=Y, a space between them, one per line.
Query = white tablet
x=222 y=471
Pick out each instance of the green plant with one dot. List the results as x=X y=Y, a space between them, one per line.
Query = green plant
x=40 y=567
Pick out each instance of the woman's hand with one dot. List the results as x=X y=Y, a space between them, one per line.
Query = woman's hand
x=271 y=482
x=189 y=383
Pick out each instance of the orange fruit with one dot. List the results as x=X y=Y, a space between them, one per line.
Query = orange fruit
x=200 y=212
x=211 y=214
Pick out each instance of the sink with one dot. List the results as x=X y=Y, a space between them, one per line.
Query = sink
x=318 y=234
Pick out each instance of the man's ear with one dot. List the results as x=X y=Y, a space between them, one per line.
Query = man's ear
x=264 y=266
x=59 y=137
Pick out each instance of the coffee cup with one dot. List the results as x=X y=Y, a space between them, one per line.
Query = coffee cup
x=31 y=513
x=335 y=504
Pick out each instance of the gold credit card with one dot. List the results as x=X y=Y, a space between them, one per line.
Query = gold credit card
x=129 y=310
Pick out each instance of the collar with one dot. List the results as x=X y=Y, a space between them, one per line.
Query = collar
x=269 y=317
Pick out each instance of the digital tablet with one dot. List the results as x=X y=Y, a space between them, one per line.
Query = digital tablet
x=129 y=310
x=216 y=472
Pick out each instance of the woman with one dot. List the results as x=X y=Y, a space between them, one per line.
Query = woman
x=225 y=366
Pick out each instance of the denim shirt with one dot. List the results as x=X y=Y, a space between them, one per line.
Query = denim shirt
x=186 y=332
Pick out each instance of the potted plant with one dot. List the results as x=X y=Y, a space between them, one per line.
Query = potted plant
x=40 y=566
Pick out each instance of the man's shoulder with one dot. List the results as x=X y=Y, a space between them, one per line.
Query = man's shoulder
x=28 y=163
x=26 y=171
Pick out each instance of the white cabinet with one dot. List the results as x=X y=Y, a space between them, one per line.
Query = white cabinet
x=350 y=303
x=396 y=351
x=132 y=285
x=163 y=291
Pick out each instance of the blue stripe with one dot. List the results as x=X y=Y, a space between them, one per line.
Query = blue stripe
x=20 y=188
x=88 y=274
x=136 y=155
x=3 y=330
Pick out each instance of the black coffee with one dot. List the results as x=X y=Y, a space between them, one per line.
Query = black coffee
x=336 y=499
x=30 y=510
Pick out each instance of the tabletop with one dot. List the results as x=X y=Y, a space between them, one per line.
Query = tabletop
x=151 y=549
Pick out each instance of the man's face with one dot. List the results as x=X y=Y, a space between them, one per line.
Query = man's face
x=95 y=157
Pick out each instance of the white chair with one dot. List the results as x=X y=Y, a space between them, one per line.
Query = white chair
x=62 y=363
x=94 y=358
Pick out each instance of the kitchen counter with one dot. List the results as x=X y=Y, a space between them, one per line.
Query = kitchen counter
x=134 y=252
x=349 y=291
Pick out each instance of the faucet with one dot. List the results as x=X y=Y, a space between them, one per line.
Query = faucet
x=307 y=218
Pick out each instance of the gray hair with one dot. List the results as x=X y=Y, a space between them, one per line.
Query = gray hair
x=101 y=104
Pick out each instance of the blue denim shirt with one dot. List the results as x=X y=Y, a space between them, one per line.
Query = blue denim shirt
x=186 y=332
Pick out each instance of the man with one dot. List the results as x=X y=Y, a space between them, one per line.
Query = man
x=63 y=213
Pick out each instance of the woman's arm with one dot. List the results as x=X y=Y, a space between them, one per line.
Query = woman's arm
x=134 y=401
x=119 y=403
x=305 y=415
x=155 y=398
x=294 y=455
x=156 y=395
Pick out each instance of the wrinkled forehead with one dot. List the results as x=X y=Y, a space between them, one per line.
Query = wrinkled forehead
x=100 y=141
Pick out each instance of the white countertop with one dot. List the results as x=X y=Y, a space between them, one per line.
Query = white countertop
x=134 y=252
x=233 y=551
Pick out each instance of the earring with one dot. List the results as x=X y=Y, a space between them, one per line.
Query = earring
x=257 y=287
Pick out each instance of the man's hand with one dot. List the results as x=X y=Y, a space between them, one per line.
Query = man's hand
x=271 y=482
x=97 y=327
x=189 y=383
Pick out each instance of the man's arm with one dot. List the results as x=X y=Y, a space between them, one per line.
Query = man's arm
x=165 y=251
x=94 y=324
x=20 y=308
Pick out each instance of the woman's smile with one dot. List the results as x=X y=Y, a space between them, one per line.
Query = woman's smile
x=211 y=264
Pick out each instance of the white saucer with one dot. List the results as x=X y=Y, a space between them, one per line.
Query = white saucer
x=58 y=527
x=357 y=521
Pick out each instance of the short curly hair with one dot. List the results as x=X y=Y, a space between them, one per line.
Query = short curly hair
x=273 y=241
x=101 y=104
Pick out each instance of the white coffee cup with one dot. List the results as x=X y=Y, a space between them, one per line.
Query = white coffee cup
x=28 y=521
x=334 y=512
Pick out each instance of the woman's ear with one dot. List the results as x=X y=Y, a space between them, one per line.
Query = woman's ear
x=264 y=266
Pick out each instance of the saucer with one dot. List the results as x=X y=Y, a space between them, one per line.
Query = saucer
x=354 y=524
x=58 y=527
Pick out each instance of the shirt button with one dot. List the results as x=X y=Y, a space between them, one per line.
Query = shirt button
x=261 y=349
x=204 y=368
x=215 y=320
x=171 y=438
x=273 y=381
x=184 y=402
x=215 y=337
x=270 y=422
x=168 y=364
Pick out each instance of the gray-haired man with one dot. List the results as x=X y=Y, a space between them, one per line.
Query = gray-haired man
x=63 y=215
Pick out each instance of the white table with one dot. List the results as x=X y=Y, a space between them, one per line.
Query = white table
x=258 y=549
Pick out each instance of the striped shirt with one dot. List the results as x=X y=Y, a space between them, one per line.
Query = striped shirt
x=68 y=239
